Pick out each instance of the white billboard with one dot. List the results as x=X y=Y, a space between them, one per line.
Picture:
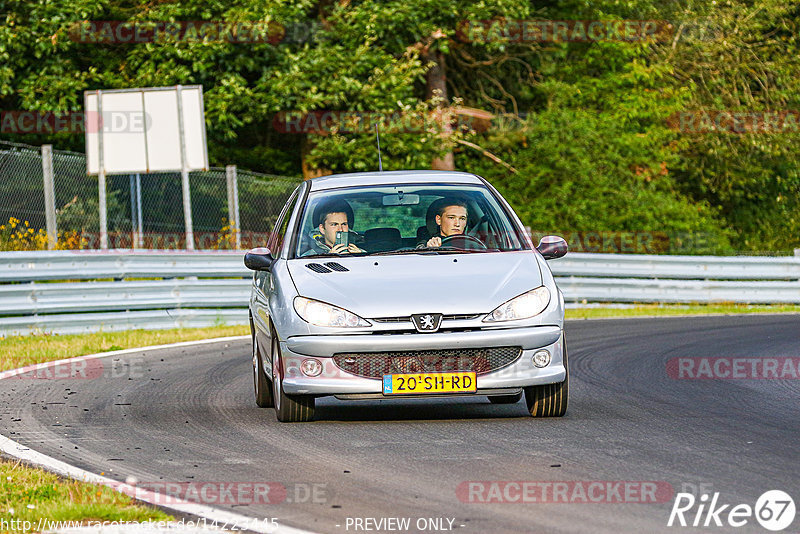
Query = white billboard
x=143 y=130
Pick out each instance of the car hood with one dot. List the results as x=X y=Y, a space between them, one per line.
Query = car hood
x=394 y=286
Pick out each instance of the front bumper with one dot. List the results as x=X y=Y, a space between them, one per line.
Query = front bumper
x=333 y=380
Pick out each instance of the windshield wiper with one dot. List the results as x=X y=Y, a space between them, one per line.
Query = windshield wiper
x=331 y=255
x=406 y=251
x=454 y=250
x=427 y=250
x=321 y=255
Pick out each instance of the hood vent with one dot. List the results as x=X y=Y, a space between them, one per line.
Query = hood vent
x=336 y=266
x=317 y=268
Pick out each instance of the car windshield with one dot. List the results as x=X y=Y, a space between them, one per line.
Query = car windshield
x=405 y=219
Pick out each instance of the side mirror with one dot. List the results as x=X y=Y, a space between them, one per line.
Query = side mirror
x=552 y=247
x=259 y=259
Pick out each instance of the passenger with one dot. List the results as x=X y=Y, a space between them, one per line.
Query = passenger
x=451 y=220
x=332 y=217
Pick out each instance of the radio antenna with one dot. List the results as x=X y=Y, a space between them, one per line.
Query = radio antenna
x=378 y=137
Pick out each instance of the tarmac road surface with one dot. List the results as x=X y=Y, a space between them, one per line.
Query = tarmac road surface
x=184 y=420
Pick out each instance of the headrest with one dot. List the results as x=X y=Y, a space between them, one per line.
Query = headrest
x=382 y=234
x=423 y=233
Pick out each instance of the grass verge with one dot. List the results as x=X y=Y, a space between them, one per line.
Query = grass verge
x=29 y=494
x=19 y=351
x=675 y=310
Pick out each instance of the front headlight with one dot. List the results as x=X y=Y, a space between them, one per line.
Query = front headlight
x=524 y=306
x=321 y=314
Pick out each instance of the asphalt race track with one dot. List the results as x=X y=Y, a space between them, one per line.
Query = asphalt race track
x=187 y=415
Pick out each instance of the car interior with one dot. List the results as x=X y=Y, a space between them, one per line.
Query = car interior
x=480 y=223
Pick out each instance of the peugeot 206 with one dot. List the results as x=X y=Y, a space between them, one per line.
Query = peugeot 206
x=405 y=284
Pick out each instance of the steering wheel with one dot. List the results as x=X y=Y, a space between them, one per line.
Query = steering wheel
x=465 y=238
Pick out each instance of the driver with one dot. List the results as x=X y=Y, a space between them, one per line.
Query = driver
x=332 y=218
x=451 y=220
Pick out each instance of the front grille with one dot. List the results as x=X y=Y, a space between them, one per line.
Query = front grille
x=461 y=317
x=377 y=364
x=407 y=318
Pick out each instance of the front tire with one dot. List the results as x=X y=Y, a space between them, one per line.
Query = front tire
x=261 y=384
x=288 y=408
x=549 y=400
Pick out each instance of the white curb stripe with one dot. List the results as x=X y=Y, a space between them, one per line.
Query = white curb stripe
x=17 y=450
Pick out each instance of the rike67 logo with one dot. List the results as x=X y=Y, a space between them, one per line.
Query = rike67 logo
x=774 y=510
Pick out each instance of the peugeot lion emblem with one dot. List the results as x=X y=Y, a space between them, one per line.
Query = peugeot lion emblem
x=427 y=322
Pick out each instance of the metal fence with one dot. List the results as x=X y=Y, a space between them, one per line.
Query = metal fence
x=59 y=291
x=143 y=211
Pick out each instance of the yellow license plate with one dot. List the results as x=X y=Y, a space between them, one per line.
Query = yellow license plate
x=422 y=383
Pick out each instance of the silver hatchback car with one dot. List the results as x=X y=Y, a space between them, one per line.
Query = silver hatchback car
x=405 y=284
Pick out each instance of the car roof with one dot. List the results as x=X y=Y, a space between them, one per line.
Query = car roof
x=392 y=177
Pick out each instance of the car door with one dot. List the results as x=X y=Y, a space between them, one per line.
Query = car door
x=263 y=281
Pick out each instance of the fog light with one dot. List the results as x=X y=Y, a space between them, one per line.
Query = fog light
x=541 y=358
x=311 y=367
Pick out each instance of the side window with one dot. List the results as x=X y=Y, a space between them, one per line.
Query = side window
x=275 y=243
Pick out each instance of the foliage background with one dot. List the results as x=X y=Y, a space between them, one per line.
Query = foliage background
x=588 y=135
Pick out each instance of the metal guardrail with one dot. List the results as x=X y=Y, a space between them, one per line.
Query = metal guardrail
x=118 y=264
x=39 y=292
x=80 y=323
x=678 y=267
x=676 y=291
x=77 y=297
